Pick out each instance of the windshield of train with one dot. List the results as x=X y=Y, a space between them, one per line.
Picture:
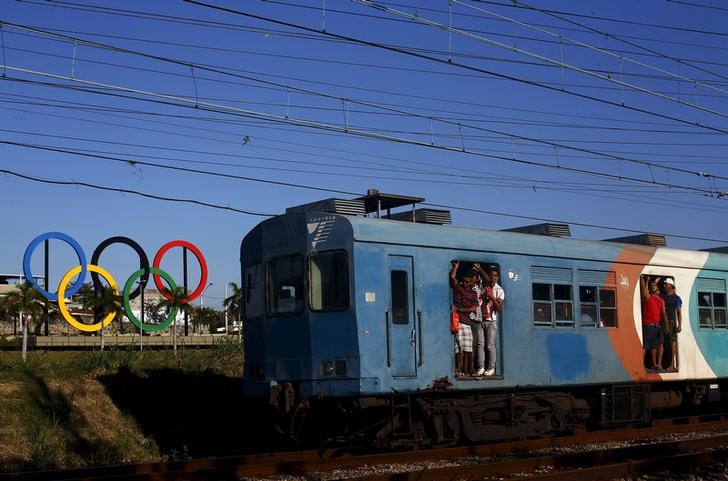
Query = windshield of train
x=329 y=281
x=285 y=285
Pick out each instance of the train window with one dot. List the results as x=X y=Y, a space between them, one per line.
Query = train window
x=564 y=305
x=608 y=307
x=552 y=305
x=712 y=303
x=598 y=306
x=285 y=285
x=329 y=281
x=253 y=289
x=597 y=298
x=553 y=302
x=400 y=304
x=712 y=309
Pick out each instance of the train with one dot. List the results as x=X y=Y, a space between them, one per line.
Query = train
x=347 y=306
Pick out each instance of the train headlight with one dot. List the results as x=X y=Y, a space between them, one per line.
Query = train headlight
x=327 y=368
x=340 y=367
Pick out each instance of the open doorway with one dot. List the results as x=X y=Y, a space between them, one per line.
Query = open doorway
x=661 y=322
x=477 y=301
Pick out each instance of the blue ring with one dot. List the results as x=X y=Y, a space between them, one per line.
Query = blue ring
x=68 y=240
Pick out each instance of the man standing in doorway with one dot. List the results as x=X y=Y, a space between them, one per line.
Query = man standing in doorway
x=654 y=321
x=673 y=309
x=494 y=298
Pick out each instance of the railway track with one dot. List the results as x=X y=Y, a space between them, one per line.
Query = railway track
x=516 y=460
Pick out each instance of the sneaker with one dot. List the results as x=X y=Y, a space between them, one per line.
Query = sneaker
x=480 y=372
x=490 y=372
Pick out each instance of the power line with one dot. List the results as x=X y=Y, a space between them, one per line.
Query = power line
x=699 y=5
x=187 y=135
x=615 y=229
x=106 y=10
x=229 y=71
x=702 y=175
x=620 y=39
x=464 y=66
x=129 y=191
x=132 y=162
x=227 y=208
x=606 y=78
x=672 y=28
x=375 y=136
x=504 y=181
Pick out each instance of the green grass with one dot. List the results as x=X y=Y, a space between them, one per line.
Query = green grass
x=74 y=409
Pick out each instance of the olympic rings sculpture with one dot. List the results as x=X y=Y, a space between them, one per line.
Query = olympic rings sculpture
x=127 y=294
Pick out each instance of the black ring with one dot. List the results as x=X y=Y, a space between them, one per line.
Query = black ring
x=143 y=262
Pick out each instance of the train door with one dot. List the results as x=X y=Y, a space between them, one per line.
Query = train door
x=401 y=333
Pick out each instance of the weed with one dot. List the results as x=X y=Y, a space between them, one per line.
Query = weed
x=72 y=409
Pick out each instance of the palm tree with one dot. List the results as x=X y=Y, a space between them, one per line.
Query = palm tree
x=51 y=313
x=28 y=304
x=174 y=301
x=232 y=304
x=101 y=302
x=4 y=309
x=203 y=316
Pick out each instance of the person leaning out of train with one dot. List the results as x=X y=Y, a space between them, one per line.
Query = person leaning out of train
x=673 y=308
x=466 y=304
x=654 y=321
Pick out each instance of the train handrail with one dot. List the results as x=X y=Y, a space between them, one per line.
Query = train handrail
x=389 y=348
x=419 y=333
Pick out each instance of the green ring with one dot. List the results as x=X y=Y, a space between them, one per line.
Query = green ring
x=127 y=306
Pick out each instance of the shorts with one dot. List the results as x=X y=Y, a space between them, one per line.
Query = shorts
x=672 y=335
x=651 y=336
x=464 y=339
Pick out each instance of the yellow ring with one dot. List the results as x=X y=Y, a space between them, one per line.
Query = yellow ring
x=62 y=301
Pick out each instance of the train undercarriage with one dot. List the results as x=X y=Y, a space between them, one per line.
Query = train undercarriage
x=435 y=419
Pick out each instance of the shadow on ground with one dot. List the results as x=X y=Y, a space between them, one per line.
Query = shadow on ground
x=189 y=414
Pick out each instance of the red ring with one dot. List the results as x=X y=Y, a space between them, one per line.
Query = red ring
x=203 y=267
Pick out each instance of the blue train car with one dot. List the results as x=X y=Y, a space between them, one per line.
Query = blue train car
x=347 y=310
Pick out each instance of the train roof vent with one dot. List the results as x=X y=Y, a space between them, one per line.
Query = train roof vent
x=548 y=229
x=379 y=202
x=424 y=216
x=333 y=206
x=654 y=240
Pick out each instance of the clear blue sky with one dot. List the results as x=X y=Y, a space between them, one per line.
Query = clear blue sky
x=403 y=96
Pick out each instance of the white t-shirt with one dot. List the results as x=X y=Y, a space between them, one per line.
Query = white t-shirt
x=499 y=293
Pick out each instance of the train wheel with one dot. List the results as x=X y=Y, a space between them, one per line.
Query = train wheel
x=298 y=423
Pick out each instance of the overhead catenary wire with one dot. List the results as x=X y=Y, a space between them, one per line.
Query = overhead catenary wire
x=467 y=67
x=323 y=132
x=479 y=38
x=188 y=135
x=608 y=52
x=698 y=5
x=627 y=42
x=360 y=88
x=149 y=15
x=466 y=117
x=131 y=191
x=701 y=174
x=374 y=136
x=106 y=10
x=241 y=211
x=459 y=125
x=429 y=172
x=672 y=28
